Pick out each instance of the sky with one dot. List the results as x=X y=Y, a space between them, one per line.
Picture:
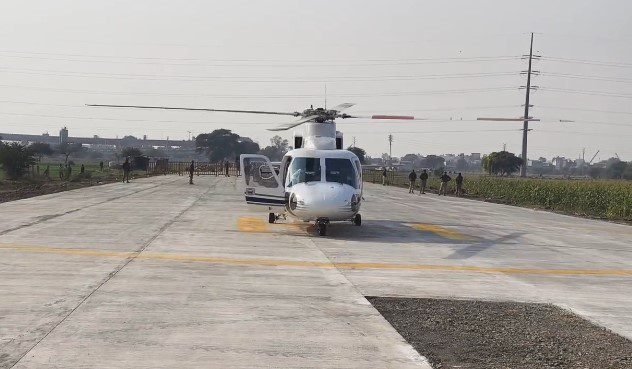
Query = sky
x=447 y=61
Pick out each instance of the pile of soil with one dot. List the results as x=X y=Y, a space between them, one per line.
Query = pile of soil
x=490 y=335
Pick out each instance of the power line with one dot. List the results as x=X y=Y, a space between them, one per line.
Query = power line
x=257 y=60
x=267 y=96
x=251 y=64
x=586 y=92
x=587 y=77
x=589 y=62
x=583 y=109
x=252 y=79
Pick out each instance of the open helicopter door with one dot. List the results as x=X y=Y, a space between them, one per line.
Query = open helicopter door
x=264 y=189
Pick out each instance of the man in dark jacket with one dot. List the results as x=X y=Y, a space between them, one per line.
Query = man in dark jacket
x=127 y=168
x=459 y=185
x=227 y=167
x=412 y=178
x=191 y=170
x=423 y=179
x=445 y=178
x=384 y=174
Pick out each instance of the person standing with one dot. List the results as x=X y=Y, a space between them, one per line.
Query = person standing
x=445 y=178
x=61 y=172
x=423 y=181
x=101 y=165
x=227 y=167
x=127 y=168
x=68 y=171
x=191 y=170
x=83 y=169
x=47 y=172
x=384 y=174
x=459 y=185
x=412 y=178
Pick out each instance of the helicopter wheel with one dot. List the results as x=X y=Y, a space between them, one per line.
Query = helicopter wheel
x=271 y=218
x=321 y=228
x=357 y=220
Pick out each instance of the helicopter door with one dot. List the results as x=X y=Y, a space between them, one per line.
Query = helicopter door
x=263 y=186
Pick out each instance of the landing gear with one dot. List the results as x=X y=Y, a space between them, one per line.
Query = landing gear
x=357 y=220
x=272 y=218
x=321 y=227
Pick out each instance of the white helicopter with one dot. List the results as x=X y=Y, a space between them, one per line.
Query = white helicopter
x=318 y=181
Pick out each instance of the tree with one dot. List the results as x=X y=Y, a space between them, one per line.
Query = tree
x=461 y=164
x=68 y=149
x=155 y=153
x=222 y=144
x=413 y=158
x=131 y=152
x=627 y=173
x=501 y=163
x=360 y=153
x=278 y=147
x=616 y=168
x=434 y=161
x=16 y=159
x=41 y=149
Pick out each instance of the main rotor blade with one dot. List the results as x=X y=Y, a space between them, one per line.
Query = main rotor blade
x=342 y=107
x=393 y=117
x=295 y=114
x=286 y=126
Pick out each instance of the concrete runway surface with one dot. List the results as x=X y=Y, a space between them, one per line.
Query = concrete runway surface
x=161 y=274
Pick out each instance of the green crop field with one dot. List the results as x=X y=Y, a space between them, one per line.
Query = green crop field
x=607 y=199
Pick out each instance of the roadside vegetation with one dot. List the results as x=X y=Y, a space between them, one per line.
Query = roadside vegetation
x=603 y=199
x=33 y=170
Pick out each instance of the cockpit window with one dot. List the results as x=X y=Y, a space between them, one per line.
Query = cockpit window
x=304 y=170
x=340 y=171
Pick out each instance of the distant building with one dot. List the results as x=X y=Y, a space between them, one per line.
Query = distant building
x=63 y=136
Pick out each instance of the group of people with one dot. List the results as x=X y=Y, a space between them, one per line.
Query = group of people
x=443 y=189
x=423 y=179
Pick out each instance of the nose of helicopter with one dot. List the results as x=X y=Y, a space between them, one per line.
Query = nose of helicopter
x=311 y=201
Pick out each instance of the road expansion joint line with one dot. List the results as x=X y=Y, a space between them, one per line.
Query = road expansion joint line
x=114 y=272
x=54 y=216
x=413 y=355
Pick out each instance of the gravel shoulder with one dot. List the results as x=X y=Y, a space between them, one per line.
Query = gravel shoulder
x=490 y=335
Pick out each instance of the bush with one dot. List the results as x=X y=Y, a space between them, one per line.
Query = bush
x=16 y=159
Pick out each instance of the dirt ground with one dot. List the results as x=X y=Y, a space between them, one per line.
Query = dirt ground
x=495 y=335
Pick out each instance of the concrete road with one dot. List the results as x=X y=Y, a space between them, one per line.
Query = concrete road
x=160 y=274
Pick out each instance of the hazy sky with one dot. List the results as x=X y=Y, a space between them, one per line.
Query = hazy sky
x=439 y=60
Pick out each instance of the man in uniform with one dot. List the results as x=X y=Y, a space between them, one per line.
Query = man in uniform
x=445 y=178
x=127 y=167
x=423 y=179
x=459 y=185
x=412 y=178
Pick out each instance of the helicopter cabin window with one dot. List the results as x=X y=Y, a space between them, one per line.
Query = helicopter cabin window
x=304 y=170
x=340 y=171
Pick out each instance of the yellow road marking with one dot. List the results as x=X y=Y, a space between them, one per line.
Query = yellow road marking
x=321 y=265
x=441 y=231
x=258 y=225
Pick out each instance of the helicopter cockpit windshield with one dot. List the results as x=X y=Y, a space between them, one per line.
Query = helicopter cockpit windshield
x=340 y=171
x=304 y=170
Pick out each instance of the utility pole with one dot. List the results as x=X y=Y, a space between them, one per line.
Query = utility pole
x=525 y=129
x=390 y=149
